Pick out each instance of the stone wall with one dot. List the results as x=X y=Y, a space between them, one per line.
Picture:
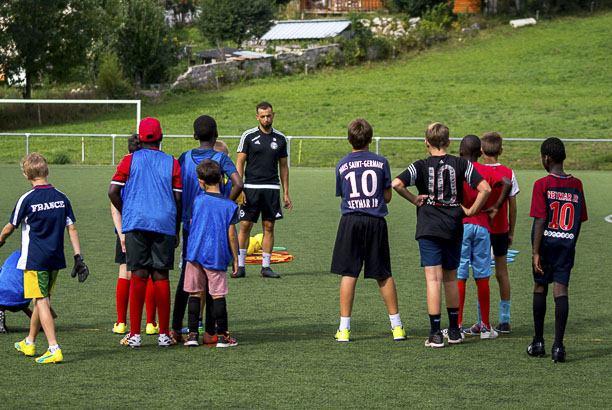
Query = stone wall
x=229 y=71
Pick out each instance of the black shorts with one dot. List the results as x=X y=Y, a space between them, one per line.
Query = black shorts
x=551 y=275
x=119 y=254
x=499 y=243
x=362 y=239
x=17 y=308
x=146 y=249
x=264 y=200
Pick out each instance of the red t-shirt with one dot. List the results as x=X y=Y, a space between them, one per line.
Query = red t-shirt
x=494 y=178
x=500 y=223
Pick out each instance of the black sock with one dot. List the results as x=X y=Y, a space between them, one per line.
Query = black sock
x=193 y=313
x=453 y=317
x=561 y=312
x=220 y=310
x=180 y=304
x=434 y=321
x=539 y=312
x=209 y=325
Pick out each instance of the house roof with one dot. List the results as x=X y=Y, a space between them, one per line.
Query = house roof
x=306 y=29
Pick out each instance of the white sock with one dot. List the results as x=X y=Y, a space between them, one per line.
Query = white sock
x=395 y=320
x=28 y=343
x=53 y=349
x=265 y=261
x=345 y=323
x=242 y=254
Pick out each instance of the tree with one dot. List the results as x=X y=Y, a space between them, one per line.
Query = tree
x=234 y=20
x=413 y=7
x=43 y=38
x=144 y=46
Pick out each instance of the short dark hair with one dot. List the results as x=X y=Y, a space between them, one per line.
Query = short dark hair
x=470 y=145
x=134 y=143
x=359 y=133
x=205 y=128
x=264 y=105
x=554 y=148
x=437 y=135
x=209 y=171
x=491 y=143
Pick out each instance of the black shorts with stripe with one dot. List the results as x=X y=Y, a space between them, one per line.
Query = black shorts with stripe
x=362 y=240
x=261 y=200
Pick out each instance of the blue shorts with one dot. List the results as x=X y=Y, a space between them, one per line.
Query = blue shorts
x=475 y=250
x=438 y=251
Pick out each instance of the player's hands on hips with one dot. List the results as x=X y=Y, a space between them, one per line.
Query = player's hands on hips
x=80 y=268
x=420 y=200
x=287 y=201
x=537 y=265
x=466 y=211
x=492 y=211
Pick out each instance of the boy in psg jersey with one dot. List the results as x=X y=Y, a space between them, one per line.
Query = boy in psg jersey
x=439 y=231
x=151 y=219
x=558 y=208
x=363 y=181
x=43 y=213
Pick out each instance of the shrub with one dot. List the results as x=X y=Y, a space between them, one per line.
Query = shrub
x=60 y=158
x=111 y=82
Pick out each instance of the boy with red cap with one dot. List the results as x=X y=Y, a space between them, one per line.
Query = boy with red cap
x=151 y=217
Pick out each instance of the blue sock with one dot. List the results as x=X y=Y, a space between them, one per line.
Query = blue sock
x=504 y=311
x=478 y=311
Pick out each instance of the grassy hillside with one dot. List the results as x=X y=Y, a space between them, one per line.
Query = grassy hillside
x=549 y=80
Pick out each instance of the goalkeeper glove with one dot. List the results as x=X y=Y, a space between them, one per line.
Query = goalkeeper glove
x=80 y=268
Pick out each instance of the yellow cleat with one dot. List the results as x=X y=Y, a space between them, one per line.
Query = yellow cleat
x=51 y=357
x=152 y=329
x=399 y=333
x=343 y=335
x=28 y=350
x=120 y=328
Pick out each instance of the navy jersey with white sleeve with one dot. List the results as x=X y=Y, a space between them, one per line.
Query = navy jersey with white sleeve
x=361 y=178
x=441 y=179
x=43 y=213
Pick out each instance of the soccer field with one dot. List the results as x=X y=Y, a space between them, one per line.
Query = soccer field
x=286 y=356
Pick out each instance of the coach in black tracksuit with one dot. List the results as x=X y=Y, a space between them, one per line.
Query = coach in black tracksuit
x=264 y=150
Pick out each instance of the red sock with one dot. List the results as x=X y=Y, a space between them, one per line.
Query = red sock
x=162 y=300
x=484 y=298
x=138 y=290
x=150 y=302
x=461 y=284
x=123 y=298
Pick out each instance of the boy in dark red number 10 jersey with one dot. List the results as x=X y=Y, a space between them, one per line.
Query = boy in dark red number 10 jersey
x=558 y=208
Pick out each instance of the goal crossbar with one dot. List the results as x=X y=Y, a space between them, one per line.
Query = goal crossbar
x=50 y=101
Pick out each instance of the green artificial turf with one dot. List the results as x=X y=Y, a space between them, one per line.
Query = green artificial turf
x=552 y=79
x=286 y=356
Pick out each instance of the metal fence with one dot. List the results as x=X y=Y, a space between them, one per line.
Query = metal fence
x=376 y=140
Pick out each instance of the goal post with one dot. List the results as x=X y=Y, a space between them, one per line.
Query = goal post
x=44 y=101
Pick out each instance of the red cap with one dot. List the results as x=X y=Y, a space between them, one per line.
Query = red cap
x=149 y=130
